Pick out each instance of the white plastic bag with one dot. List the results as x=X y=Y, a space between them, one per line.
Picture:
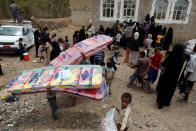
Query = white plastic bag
x=110 y=121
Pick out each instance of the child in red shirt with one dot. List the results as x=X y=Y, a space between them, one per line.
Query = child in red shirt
x=154 y=65
x=127 y=55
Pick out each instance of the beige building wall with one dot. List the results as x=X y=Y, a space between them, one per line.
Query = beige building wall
x=182 y=32
x=81 y=11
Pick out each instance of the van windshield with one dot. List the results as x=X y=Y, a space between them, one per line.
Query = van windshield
x=10 y=31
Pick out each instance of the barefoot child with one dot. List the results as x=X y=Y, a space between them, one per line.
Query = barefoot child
x=124 y=112
x=41 y=51
x=109 y=75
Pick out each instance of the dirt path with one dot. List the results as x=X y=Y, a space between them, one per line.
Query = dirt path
x=32 y=112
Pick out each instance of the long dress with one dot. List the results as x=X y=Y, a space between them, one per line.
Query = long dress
x=168 y=81
x=134 y=50
x=55 y=50
x=168 y=40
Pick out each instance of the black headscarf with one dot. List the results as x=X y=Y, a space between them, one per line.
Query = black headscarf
x=168 y=39
x=174 y=62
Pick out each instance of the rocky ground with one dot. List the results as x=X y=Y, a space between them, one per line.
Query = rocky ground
x=32 y=112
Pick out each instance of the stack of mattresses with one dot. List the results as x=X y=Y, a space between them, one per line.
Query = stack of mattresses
x=89 y=47
x=63 y=76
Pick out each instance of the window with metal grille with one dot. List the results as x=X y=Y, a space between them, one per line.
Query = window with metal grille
x=180 y=10
x=108 y=8
x=160 y=9
x=129 y=8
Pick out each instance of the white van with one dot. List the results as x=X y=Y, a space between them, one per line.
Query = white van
x=10 y=34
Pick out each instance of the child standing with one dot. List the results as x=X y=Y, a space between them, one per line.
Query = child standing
x=61 y=44
x=127 y=55
x=109 y=75
x=145 y=49
x=118 y=38
x=114 y=61
x=114 y=47
x=154 y=65
x=52 y=39
x=124 y=112
x=159 y=40
x=41 y=51
x=21 y=48
x=148 y=42
x=67 y=43
x=99 y=58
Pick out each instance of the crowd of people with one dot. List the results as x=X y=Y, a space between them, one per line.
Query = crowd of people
x=48 y=47
x=137 y=40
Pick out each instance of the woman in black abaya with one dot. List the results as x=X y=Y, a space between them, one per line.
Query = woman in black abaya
x=168 y=39
x=168 y=81
x=55 y=50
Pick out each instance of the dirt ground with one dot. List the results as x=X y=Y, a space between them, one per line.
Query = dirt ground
x=32 y=112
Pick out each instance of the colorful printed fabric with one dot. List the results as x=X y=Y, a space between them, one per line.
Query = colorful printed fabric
x=89 y=47
x=75 y=76
x=97 y=93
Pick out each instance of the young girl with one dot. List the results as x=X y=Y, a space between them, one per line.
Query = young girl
x=127 y=55
x=61 y=44
x=109 y=75
x=41 y=51
x=148 y=42
x=67 y=43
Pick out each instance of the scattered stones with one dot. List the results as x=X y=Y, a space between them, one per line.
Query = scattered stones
x=151 y=124
x=1 y=118
x=137 y=125
x=178 y=124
